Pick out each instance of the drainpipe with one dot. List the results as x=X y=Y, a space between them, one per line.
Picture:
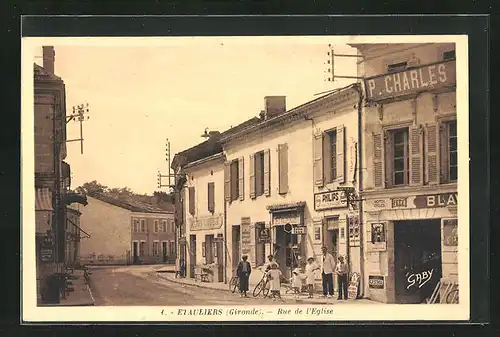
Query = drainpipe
x=360 y=189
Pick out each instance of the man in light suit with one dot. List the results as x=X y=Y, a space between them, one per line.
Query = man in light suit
x=327 y=269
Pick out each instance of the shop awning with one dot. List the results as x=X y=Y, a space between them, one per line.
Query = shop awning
x=43 y=199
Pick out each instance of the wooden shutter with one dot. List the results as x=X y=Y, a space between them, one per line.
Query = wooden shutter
x=416 y=163
x=156 y=226
x=377 y=161
x=267 y=172
x=388 y=159
x=283 y=168
x=443 y=151
x=227 y=181
x=211 y=197
x=252 y=176
x=431 y=147
x=191 y=200
x=241 y=183
x=318 y=158
x=340 y=154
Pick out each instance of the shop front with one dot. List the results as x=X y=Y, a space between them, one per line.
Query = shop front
x=412 y=246
x=289 y=235
x=206 y=247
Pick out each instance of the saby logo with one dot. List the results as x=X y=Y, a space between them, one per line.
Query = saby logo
x=420 y=279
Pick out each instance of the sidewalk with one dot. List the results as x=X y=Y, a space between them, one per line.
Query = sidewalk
x=302 y=298
x=81 y=296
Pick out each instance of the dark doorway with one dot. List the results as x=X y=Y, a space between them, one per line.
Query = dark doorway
x=332 y=242
x=286 y=249
x=164 y=251
x=135 y=251
x=417 y=259
x=236 y=236
x=219 y=248
x=260 y=246
x=192 y=255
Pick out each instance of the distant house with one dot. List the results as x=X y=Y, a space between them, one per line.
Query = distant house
x=126 y=232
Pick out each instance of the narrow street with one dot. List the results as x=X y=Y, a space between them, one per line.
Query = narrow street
x=140 y=286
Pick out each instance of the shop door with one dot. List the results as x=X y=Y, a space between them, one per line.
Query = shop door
x=192 y=255
x=135 y=252
x=236 y=246
x=280 y=247
x=332 y=242
x=417 y=259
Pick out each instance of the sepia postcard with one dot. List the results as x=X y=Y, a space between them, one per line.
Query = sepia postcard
x=234 y=179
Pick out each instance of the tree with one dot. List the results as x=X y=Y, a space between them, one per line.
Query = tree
x=92 y=187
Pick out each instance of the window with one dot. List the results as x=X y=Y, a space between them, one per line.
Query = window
x=135 y=226
x=397 y=67
x=211 y=197
x=449 y=154
x=143 y=225
x=259 y=173
x=283 y=168
x=235 y=191
x=156 y=248
x=331 y=155
x=191 y=200
x=171 y=247
x=156 y=226
x=142 y=248
x=163 y=227
x=400 y=159
x=449 y=55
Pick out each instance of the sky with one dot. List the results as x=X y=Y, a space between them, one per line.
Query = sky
x=141 y=94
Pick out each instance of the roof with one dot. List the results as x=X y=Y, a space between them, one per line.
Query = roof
x=206 y=149
x=287 y=207
x=133 y=205
x=216 y=156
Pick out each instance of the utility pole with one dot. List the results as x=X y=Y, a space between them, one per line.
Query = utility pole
x=171 y=176
x=78 y=115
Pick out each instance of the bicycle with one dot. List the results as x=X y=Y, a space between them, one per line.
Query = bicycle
x=234 y=284
x=452 y=297
x=262 y=286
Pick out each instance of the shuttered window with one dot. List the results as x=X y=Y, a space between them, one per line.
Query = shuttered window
x=340 y=154
x=227 y=181
x=192 y=200
x=211 y=197
x=143 y=225
x=377 y=161
x=267 y=172
x=334 y=155
x=259 y=173
x=260 y=176
x=398 y=143
x=252 y=176
x=416 y=162
x=283 y=168
x=431 y=152
x=156 y=226
x=241 y=175
x=318 y=158
x=234 y=178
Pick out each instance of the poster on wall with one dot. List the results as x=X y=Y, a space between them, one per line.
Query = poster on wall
x=245 y=236
x=354 y=229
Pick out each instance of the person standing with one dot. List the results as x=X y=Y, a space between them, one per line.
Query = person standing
x=275 y=279
x=342 y=271
x=310 y=268
x=327 y=268
x=243 y=271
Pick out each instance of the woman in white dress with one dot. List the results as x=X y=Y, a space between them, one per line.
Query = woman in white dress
x=311 y=266
x=275 y=283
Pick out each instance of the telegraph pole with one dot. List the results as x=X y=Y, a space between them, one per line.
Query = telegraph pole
x=79 y=116
x=171 y=176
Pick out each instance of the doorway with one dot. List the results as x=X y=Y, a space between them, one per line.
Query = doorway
x=164 y=251
x=219 y=252
x=135 y=251
x=417 y=259
x=332 y=242
x=192 y=255
x=236 y=236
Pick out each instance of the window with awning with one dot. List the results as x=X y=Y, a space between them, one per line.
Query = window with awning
x=43 y=199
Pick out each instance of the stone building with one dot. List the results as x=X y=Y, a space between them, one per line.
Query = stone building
x=409 y=150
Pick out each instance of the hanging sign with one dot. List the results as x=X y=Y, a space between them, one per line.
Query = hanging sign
x=330 y=199
x=411 y=81
x=264 y=235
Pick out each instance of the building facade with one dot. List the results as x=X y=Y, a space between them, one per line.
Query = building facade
x=409 y=188
x=52 y=178
x=123 y=233
x=282 y=176
x=204 y=212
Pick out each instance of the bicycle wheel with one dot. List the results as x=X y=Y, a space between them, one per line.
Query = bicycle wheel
x=233 y=284
x=258 y=288
x=265 y=290
x=452 y=297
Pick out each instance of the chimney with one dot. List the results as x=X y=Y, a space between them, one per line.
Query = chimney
x=274 y=106
x=48 y=59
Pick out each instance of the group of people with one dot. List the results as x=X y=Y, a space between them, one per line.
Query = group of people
x=328 y=266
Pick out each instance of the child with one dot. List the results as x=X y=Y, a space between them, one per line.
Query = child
x=296 y=281
x=275 y=284
x=311 y=266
